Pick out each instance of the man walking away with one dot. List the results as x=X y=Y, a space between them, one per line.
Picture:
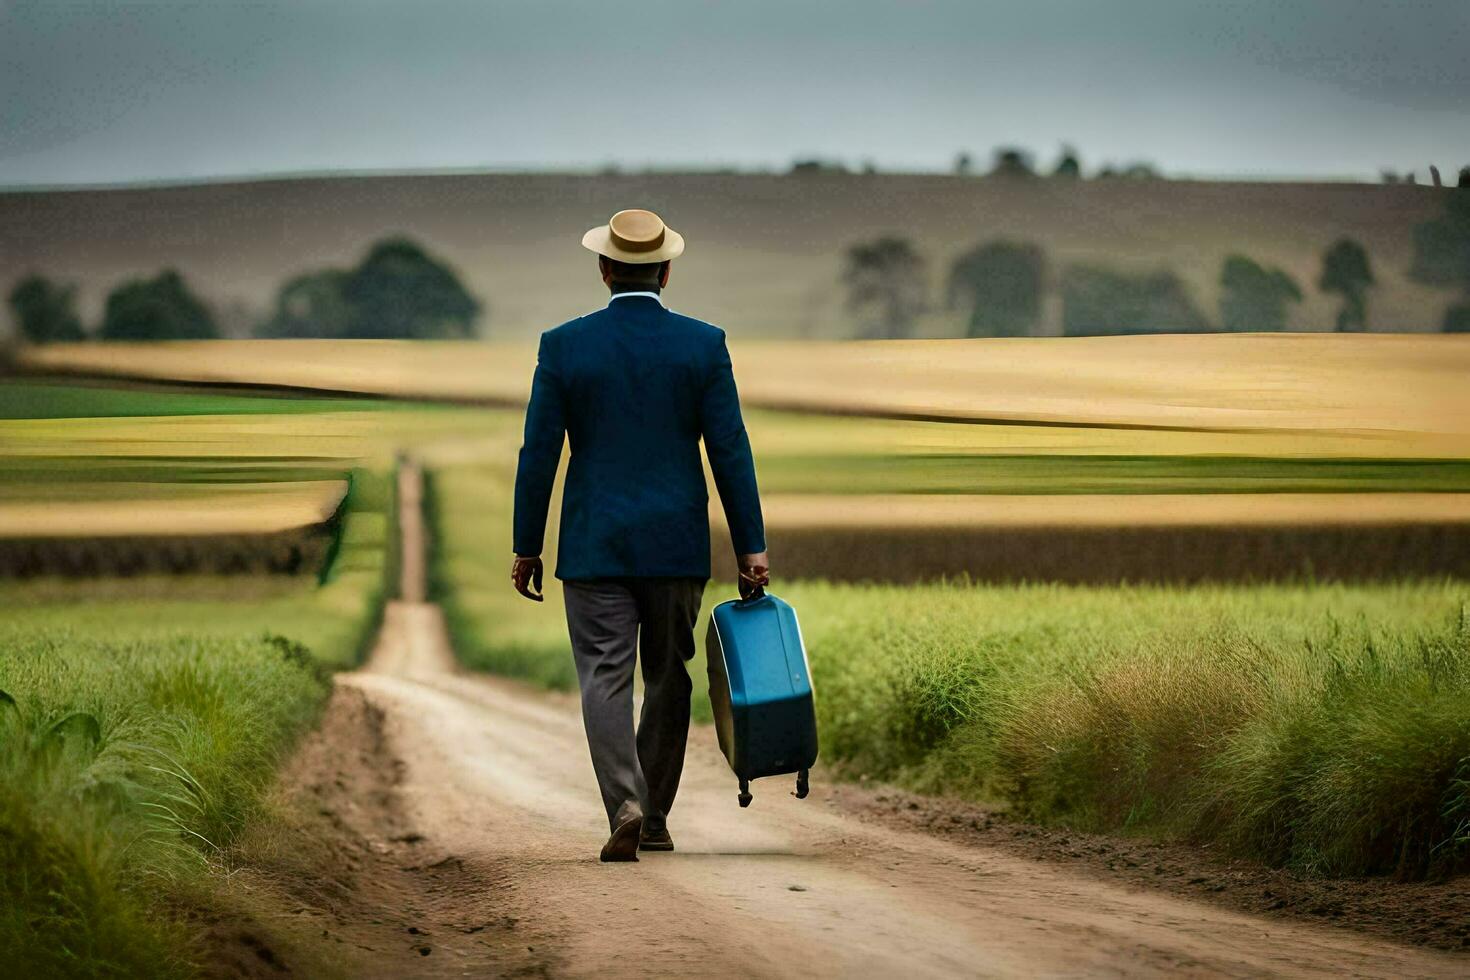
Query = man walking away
x=634 y=388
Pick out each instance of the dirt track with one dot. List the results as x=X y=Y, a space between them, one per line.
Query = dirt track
x=497 y=780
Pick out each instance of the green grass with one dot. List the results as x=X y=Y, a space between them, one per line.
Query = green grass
x=126 y=764
x=469 y=521
x=1319 y=727
x=52 y=399
x=144 y=719
x=1323 y=727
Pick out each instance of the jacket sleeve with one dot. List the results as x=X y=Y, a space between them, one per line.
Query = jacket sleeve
x=540 y=453
x=728 y=448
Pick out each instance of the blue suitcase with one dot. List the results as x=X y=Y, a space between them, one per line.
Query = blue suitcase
x=761 y=691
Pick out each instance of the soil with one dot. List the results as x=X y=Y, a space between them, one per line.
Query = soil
x=1429 y=913
x=340 y=884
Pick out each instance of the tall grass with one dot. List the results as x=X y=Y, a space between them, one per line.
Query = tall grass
x=124 y=766
x=1325 y=728
x=140 y=725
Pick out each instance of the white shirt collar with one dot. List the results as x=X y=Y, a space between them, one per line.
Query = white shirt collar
x=650 y=295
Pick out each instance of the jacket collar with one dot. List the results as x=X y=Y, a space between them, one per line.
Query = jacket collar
x=645 y=294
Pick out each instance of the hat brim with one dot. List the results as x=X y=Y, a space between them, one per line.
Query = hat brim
x=600 y=240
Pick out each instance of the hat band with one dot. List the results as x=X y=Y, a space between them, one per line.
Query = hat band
x=628 y=245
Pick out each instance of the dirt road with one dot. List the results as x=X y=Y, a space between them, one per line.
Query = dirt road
x=496 y=779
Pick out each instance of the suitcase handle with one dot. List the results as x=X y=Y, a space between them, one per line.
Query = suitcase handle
x=758 y=594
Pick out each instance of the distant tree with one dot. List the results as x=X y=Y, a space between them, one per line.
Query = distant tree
x=1098 y=301
x=963 y=164
x=1137 y=170
x=1253 y=297
x=45 y=311
x=1457 y=318
x=161 y=308
x=400 y=291
x=1389 y=176
x=1069 y=165
x=1012 y=162
x=886 y=287
x=812 y=167
x=1345 y=271
x=1442 y=245
x=1000 y=282
x=1464 y=180
x=311 y=305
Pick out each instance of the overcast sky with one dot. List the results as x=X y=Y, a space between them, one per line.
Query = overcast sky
x=113 y=91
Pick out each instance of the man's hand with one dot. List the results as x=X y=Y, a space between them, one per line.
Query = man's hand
x=755 y=574
x=526 y=572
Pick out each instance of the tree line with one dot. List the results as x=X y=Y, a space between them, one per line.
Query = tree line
x=397 y=291
x=999 y=285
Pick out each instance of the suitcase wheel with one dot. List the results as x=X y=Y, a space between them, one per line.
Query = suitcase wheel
x=745 y=796
x=802 y=786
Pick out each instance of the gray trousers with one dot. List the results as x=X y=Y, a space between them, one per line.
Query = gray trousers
x=609 y=621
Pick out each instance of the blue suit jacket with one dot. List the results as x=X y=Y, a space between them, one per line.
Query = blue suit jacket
x=635 y=387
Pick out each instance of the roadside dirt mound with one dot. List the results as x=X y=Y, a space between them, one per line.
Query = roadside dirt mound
x=340 y=882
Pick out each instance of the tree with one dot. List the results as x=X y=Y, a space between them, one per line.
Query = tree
x=161 y=308
x=1254 y=297
x=1012 y=162
x=400 y=291
x=1001 y=283
x=1345 y=271
x=1098 y=301
x=963 y=164
x=886 y=287
x=311 y=305
x=1138 y=170
x=816 y=167
x=1069 y=166
x=1442 y=245
x=45 y=311
x=1457 y=318
x=1464 y=180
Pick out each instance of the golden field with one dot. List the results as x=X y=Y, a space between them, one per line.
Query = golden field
x=1329 y=394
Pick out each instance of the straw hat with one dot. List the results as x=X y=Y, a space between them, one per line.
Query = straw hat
x=637 y=237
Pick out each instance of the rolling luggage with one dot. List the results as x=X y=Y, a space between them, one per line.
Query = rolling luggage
x=761 y=691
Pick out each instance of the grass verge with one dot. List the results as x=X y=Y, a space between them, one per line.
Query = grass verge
x=141 y=725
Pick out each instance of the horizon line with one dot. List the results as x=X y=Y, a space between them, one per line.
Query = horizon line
x=614 y=170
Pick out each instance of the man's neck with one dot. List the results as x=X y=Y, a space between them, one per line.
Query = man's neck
x=622 y=287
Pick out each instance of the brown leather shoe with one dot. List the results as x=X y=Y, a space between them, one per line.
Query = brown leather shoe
x=623 y=844
x=655 y=840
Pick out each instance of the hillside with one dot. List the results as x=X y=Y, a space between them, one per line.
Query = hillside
x=765 y=250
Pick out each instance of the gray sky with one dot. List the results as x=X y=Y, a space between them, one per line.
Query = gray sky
x=121 y=91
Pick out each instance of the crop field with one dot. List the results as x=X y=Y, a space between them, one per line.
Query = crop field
x=1318 y=429
x=1206 y=609
x=1310 y=394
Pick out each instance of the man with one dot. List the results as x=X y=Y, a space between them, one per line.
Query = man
x=634 y=388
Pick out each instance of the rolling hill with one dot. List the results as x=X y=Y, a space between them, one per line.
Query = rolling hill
x=765 y=251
